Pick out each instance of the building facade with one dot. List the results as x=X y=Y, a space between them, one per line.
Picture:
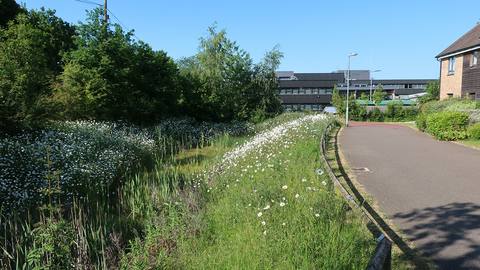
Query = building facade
x=314 y=90
x=459 y=75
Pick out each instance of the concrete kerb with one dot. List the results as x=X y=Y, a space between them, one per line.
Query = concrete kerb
x=382 y=256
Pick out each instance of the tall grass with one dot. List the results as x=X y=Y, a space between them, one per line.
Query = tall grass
x=262 y=206
x=191 y=206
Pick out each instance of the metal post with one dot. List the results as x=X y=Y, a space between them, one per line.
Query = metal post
x=348 y=85
x=371 y=84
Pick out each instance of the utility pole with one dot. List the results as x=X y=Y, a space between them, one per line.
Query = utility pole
x=105 y=15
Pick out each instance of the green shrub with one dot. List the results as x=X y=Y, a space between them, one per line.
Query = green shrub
x=376 y=115
x=477 y=105
x=421 y=122
x=448 y=125
x=460 y=106
x=474 y=132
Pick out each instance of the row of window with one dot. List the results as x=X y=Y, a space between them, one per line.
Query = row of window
x=313 y=107
x=451 y=62
x=305 y=91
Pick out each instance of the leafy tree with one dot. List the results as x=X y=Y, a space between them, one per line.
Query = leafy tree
x=338 y=101
x=8 y=10
x=23 y=71
x=226 y=85
x=29 y=58
x=433 y=92
x=379 y=95
x=364 y=96
x=109 y=76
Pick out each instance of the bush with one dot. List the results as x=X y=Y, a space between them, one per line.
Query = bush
x=421 y=122
x=474 y=132
x=448 y=125
x=376 y=115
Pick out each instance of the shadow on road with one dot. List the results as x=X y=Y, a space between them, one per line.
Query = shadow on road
x=451 y=223
x=412 y=255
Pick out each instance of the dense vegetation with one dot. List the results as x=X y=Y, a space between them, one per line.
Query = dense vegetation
x=245 y=202
x=450 y=119
x=52 y=70
x=107 y=162
x=357 y=108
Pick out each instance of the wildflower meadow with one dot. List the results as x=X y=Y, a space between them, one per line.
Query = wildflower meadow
x=247 y=197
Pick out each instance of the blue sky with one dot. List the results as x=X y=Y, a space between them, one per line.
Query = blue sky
x=400 y=38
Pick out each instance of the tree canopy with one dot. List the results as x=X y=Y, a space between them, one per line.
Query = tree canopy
x=228 y=86
x=51 y=70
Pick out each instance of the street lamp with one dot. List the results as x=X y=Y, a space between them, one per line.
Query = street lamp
x=348 y=84
x=371 y=82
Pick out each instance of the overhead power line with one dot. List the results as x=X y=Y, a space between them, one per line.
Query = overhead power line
x=106 y=16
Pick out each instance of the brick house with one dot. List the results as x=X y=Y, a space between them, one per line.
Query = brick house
x=459 y=74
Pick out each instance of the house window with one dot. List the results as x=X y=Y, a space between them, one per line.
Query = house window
x=451 y=65
x=474 y=58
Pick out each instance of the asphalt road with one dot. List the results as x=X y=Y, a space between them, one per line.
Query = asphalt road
x=430 y=188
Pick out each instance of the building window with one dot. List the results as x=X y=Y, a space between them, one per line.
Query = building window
x=474 y=58
x=282 y=91
x=295 y=91
x=308 y=91
x=301 y=91
x=472 y=96
x=450 y=95
x=451 y=65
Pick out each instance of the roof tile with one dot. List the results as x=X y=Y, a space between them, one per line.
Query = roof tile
x=469 y=40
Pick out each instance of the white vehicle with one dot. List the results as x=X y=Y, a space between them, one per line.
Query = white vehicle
x=332 y=110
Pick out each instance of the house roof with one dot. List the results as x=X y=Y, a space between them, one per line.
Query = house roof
x=468 y=41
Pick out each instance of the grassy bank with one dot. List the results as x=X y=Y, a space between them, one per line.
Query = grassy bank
x=235 y=201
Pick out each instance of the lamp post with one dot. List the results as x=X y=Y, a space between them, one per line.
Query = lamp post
x=371 y=82
x=348 y=84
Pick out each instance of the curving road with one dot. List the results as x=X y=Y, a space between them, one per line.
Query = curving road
x=430 y=188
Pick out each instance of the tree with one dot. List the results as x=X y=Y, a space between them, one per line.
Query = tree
x=111 y=77
x=338 y=101
x=433 y=92
x=29 y=58
x=226 y=85
x=8 y=10
x=379 y=95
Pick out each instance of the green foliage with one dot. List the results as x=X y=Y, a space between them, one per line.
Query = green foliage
x=379 y=95
x=338 y=101
x=111 y=77
x=29 y=58
x=433 y=92
x=448 y=125
x=376 y=115
x=474 y=132
x=396 y=112
x=226 y=85
x=365 y=97
x=8 y=10
x=53 y=241
x=421 y=122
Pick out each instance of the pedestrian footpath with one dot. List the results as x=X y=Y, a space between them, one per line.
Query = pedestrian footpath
x=430 y=189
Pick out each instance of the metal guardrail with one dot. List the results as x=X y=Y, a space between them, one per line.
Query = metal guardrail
x=382 y=257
